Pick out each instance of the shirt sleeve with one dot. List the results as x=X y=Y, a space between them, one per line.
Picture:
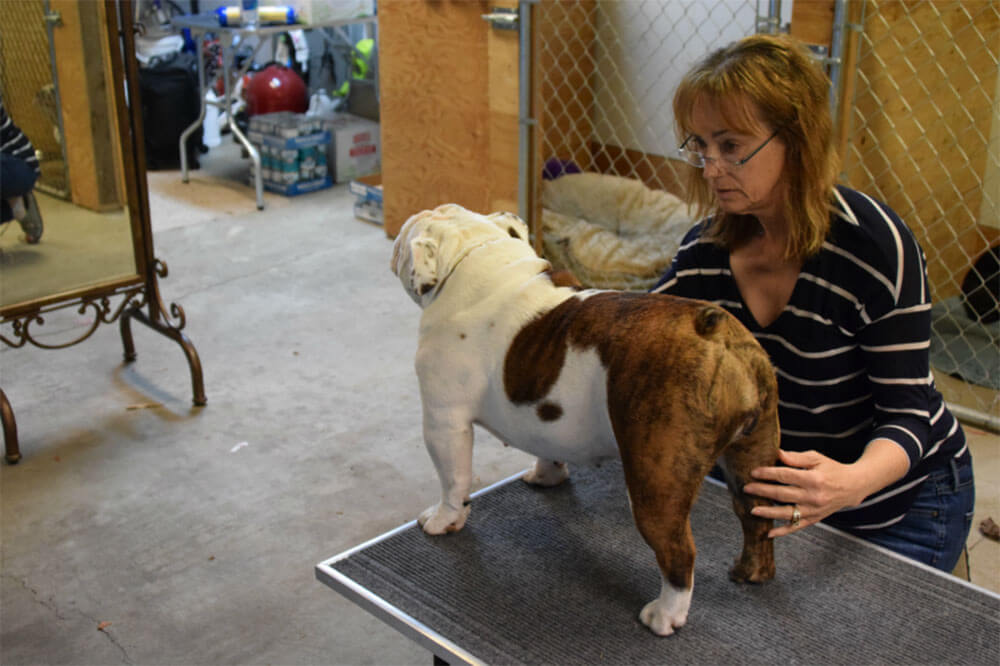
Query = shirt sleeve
x=896 y=340
x=15 y=142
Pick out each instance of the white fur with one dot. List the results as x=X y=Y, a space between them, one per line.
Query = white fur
x=669 y=611
x=495 y=285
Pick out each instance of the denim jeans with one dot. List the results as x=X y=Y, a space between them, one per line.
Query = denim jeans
x=935 y=528
x=17 y=177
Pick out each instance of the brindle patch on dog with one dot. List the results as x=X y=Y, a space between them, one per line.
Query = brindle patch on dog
x=641 y=322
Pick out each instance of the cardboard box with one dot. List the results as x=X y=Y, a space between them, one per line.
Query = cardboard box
x=319 y=11
x=367 y=192
x=354 y=148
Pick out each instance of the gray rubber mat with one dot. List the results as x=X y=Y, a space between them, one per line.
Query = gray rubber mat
x=558 y=576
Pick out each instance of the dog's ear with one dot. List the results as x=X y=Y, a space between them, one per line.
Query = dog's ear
x=510 y=223
x=424 y=266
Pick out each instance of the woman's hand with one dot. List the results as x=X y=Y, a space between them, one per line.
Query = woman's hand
x=815 y=486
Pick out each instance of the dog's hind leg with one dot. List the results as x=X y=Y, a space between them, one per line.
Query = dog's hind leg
x=757 y=448
x=450 y=448
x=547 y=473
x=661 y=507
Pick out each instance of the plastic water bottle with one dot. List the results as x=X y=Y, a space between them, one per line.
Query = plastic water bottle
x=248 y=14
x=211 y=134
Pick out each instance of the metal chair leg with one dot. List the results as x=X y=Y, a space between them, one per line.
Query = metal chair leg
x=12 y=453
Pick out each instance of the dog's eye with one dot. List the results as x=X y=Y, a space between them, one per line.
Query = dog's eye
x=513 y=232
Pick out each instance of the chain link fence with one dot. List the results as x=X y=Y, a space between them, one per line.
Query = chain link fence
x=605 y=74
x=29 y=92
x=922 y=132
x=924 y=136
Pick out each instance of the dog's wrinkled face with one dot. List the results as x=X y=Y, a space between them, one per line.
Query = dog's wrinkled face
x=432 y=242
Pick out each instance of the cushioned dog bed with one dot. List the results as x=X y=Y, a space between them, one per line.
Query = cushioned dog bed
x=612 y=232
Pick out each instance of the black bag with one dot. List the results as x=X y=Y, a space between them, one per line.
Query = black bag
x=170 y=103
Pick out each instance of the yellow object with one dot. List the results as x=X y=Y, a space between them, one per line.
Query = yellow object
x=229 y=17
x=364 y=48
x=359 y=69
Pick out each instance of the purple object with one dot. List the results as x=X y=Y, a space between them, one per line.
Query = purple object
x=555 y=167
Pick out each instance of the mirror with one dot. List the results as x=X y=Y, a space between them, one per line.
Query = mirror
x=55 y=80
x=69 y=79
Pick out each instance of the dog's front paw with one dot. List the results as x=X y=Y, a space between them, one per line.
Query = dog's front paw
x=441 y=519
x=547 y=473
x=667 y=612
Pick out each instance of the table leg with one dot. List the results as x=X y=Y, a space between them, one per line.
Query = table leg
x=199 y=41
x=227 y=43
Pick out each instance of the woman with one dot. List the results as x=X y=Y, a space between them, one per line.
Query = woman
x=18 y=173
x=833 y=285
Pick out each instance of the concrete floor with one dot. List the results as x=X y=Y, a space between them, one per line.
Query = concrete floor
x=131 y=507
x=138 y=529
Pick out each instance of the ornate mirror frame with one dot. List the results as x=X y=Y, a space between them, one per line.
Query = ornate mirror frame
x=121 y=299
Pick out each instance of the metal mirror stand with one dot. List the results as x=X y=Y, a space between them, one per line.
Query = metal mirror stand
x=139 y=294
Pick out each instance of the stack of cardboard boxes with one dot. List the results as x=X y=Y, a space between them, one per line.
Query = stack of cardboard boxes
x=293 y=152
x=301 y=153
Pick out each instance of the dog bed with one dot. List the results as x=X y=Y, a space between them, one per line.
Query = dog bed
x=611 y=232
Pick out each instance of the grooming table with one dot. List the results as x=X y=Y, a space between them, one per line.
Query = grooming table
x=558 y=576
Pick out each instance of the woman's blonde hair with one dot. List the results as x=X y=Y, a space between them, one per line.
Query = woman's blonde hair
x=777 y=77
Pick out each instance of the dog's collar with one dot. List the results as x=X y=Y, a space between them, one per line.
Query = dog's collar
x=440 y=285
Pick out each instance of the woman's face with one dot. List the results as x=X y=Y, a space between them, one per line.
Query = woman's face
x=755 y=188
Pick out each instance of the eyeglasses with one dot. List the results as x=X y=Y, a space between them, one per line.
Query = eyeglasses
x=697 y=159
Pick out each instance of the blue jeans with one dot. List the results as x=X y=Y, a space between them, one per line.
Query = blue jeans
x=935 y=528
x=17 y=177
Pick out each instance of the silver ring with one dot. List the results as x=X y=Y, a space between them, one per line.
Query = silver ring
x=796 y=515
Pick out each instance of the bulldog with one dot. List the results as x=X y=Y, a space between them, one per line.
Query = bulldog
x=670 y=385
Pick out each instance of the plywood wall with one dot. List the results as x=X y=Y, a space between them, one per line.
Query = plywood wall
x=448 y=86
x=92 y=151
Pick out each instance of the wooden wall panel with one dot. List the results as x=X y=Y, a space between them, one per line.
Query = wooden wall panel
x=812 y=21
x=92 y=151
x=503 y=50
x=434 y=79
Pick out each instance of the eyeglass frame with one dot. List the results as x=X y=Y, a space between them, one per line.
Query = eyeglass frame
x=682 y=153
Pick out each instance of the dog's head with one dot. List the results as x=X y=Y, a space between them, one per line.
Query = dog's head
x=432 y=242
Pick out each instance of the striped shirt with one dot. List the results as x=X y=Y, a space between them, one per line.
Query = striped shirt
x=850 y=348
x=14 y=142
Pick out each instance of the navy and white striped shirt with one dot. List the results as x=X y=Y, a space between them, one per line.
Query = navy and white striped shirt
x=850 y=348
x=14 y=142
